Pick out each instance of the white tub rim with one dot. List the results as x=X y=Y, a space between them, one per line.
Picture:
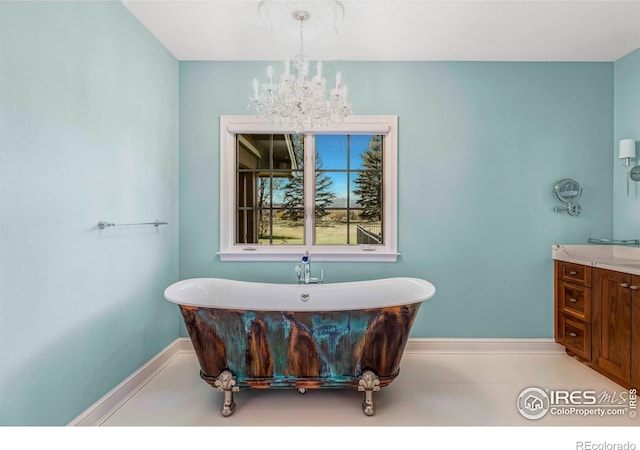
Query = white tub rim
x=289 y=297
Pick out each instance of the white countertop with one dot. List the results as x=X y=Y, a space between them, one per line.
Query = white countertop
x=612 y=257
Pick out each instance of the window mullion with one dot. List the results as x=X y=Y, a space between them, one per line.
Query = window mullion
x=271 y=190
x=309 y=189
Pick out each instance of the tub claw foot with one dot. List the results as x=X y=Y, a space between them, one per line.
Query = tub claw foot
x=226 y=383
x=302 y=390
x=369 y=383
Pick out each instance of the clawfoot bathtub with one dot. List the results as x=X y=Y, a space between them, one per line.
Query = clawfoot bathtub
x=263 y=336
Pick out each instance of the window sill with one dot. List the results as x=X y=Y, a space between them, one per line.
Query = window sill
x=356 y=253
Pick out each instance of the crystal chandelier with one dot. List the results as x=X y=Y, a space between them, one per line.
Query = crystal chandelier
x=300 y=102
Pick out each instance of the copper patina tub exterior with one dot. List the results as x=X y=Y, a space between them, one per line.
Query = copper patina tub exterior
x=264 y=336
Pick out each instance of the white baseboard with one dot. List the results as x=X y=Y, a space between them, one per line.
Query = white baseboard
x=541 y=346
x=526 y=346
x=101 y=410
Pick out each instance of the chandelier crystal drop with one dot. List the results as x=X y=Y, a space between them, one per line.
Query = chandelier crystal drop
x=300 y=102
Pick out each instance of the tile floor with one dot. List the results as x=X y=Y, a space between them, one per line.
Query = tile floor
x=431 y=390
x=459 y=401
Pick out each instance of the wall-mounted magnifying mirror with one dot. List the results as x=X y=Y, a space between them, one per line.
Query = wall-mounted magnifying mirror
x=634 y=174
x=568 y=191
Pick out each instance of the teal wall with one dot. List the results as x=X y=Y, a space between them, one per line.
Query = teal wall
x=90 y=105
x=88 y=131
x=626 y=217
x=481 y=146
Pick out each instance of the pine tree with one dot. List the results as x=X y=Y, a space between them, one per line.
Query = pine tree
x=369 y=182
x=294 y=198
x=324 y=195
x=294 y=189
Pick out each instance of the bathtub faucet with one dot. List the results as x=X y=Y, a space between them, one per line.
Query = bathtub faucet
x=304 y=271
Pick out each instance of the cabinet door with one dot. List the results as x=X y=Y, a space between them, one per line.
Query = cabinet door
x=635 y=332
x=612 y=323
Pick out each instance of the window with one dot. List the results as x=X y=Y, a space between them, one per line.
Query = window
x=331 y=192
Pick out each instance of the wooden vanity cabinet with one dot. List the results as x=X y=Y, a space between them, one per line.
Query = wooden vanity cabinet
x=597 y=319
x=635 y=337
x=573 y=308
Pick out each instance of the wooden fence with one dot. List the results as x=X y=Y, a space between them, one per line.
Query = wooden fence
x=370 y=233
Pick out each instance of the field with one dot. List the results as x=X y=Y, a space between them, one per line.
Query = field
x=328 y=232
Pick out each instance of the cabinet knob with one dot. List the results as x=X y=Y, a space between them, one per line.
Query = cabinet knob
x=634 y=287
x=572 y=334
x=573 y=272
x=573 y=300
x=624 y=285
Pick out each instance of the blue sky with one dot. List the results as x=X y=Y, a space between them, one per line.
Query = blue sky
x=332 y=152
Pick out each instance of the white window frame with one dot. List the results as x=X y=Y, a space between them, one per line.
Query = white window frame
x=230 y=251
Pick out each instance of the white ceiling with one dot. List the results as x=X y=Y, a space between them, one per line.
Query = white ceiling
x=426 y=30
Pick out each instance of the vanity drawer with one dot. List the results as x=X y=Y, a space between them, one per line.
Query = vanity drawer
x=575 y=300
x=575 y=273
x=576 y=336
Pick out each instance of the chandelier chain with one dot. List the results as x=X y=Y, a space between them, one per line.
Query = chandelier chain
x=301 y=36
